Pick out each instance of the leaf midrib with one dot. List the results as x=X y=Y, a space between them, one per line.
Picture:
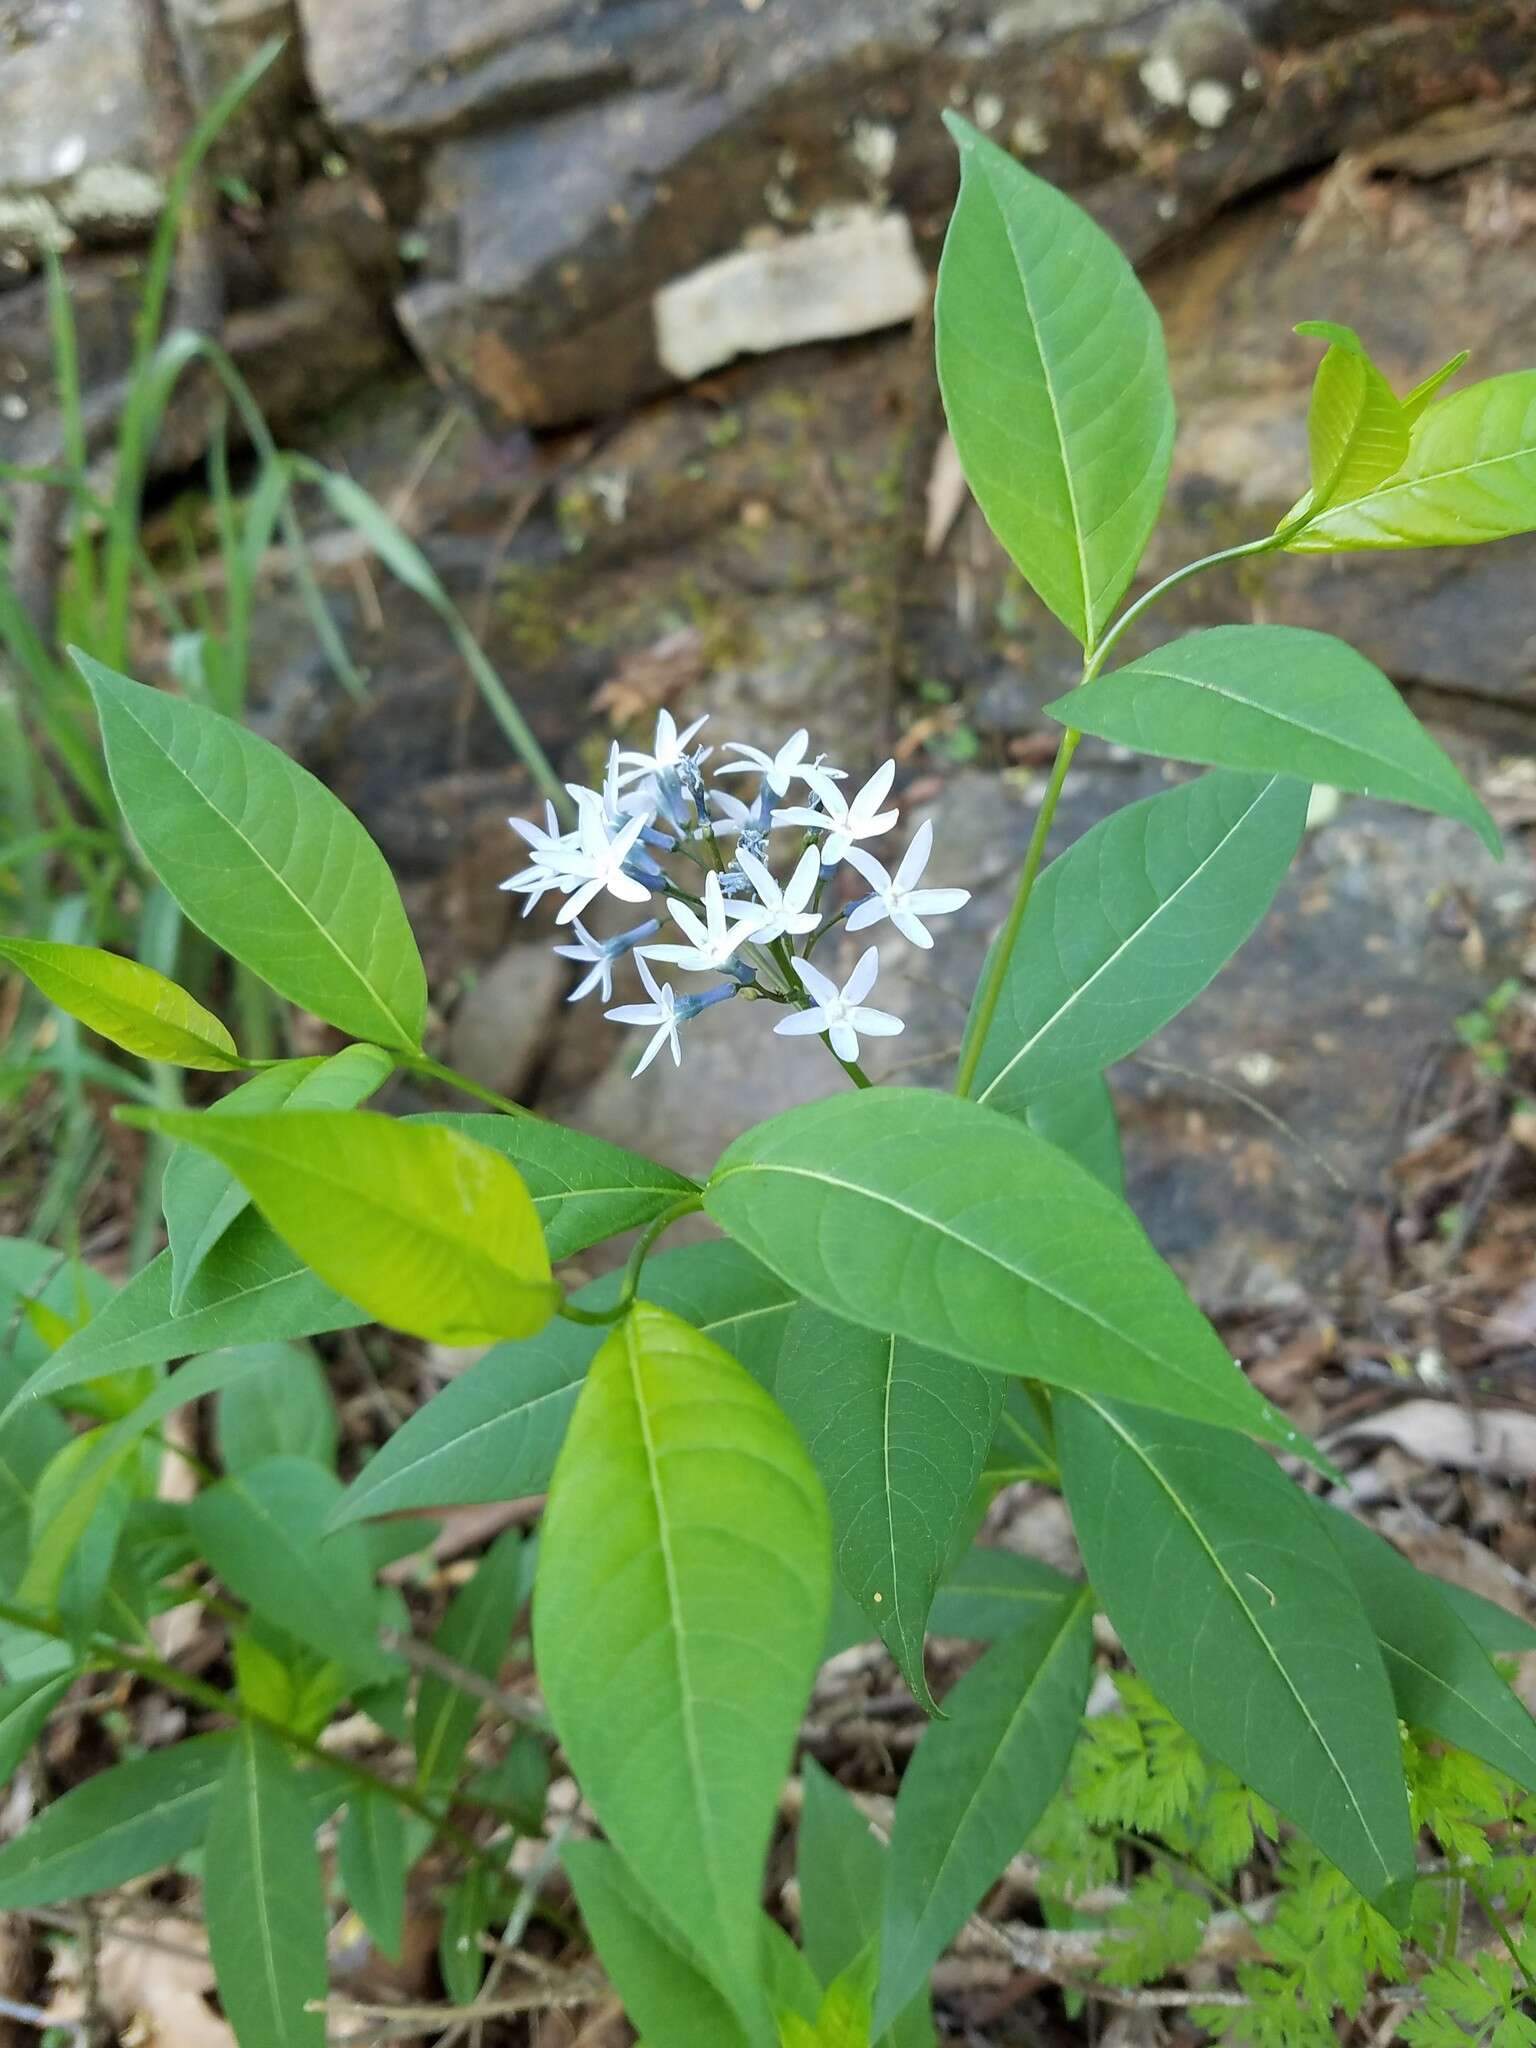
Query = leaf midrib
x=373 y=994
x=1248 y=1615
x=220 y=1043
x=1392 y=489
x=1126 y=944
x=982 y=1252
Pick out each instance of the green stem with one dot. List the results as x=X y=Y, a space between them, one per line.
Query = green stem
x=1501 y=1928
x=418 y=1063
x=109 y=1656
x=1093 y=662
x=686 y=1205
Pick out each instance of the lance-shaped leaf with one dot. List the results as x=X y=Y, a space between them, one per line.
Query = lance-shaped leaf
x=843 y=1872
x=201 y=1197
x=1469 y=476
x=128 y=1003
x=1055 y=380
x=280 y=1406
x=1130 y=924
x=25 y=1709
x=584 y=1189
x=907 y=1210
x=1442 y=1678
x=1278 y=700
x=1080 y=1119
x=373 y=1862
x=665 y=1985
x=495 y=1432
x=263 y=1898
x=250 y=1286
x=898 y=1434
x=265 y=1532
x=263 y=858
x=679 y=1613
x=426 y=1230
x=977 y=1783
x=994 y=1592
x=1238 y=1611
x=1357 y=431
x=474 y=1634
x=1422 y=395
x=134 y=1818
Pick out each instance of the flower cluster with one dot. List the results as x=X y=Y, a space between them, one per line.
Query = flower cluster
x=656 y=833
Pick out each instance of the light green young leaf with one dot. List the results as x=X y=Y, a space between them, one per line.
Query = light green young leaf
x=1130 y=924
x=1278 y=700
x=1441 y=1677
x=250 y=1286
x=977 y=1783
x=1238 y=1612
x=426 y=1230
x=1420 y=397
x=126 y=1821
x=898 y=1435
x=1469 y=476
x=373 y=1862
x=1055 y=380
x=584 y=1189
x=904 y=1209
x=843 y=1873
x=675 y=1643
x=263 y=1898
x=655 y=1969
x=1079 y=1119
x=263 y=858
x=201 y=1197
x=475 y=1633
x=266 y=1533
x=125 y=1002
x=994 y=1592
x=1357 y=432
x=495 y=1432
x=279 y=1406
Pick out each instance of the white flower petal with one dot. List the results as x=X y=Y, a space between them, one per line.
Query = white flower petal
x=876 y=1023
x=862 y=979
x=820 y=987
x=864 y=914
x=909 y=927
x=801 y=1024
x=844 y=1040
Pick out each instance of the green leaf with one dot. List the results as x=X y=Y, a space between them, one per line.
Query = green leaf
x=1055 y=379
x=125 y=1002
x=1357 y=432
x=898 y=1435
x=41 y=1275
x=251 y=1285
x=675 y=1641
x=1418 y=399
x=266 y=1533
x=904 y=1209
x=263 y=1898
x=280 y=1406
x=1499 y=1631
x=374 y=1862
x=843 y=1872
x=1278 y=700
x=1130 y=924
x=977 y=1783
x=200 y=1196
x=1080 y=1119
x=1021 y=1447
x=475 y=1632
x=994 y=1592
x=25 y=1707
x=263 y=859
x=426 y=1230
x=134 y=1818
x=466 y=1915
x=1469 y=476
x=1236 y=1609
x=663 y=1982
x=584 y=1189
x=495 y=1432
x=1441 y=1677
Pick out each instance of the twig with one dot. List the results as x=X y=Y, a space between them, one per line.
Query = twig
x=423 y=1657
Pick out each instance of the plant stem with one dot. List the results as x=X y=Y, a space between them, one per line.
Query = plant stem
x=686 y=1205
x=434 y=1070
x=1093 y=661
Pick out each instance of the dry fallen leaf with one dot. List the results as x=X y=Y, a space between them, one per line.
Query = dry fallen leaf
x=1501 y=1440
x=946 y=496
x=152 y=1996
x=651 y=677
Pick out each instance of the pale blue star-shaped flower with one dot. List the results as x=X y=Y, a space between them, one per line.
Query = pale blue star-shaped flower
x=840 y=1012
x=785 y=911
x=898 y=896
x=844 y=819
x=714 y=937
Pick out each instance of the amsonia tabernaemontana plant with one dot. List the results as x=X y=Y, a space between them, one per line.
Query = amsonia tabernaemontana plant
x=912 y=1292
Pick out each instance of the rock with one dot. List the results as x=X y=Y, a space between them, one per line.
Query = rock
x=856 y=275
x=501 y=1027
